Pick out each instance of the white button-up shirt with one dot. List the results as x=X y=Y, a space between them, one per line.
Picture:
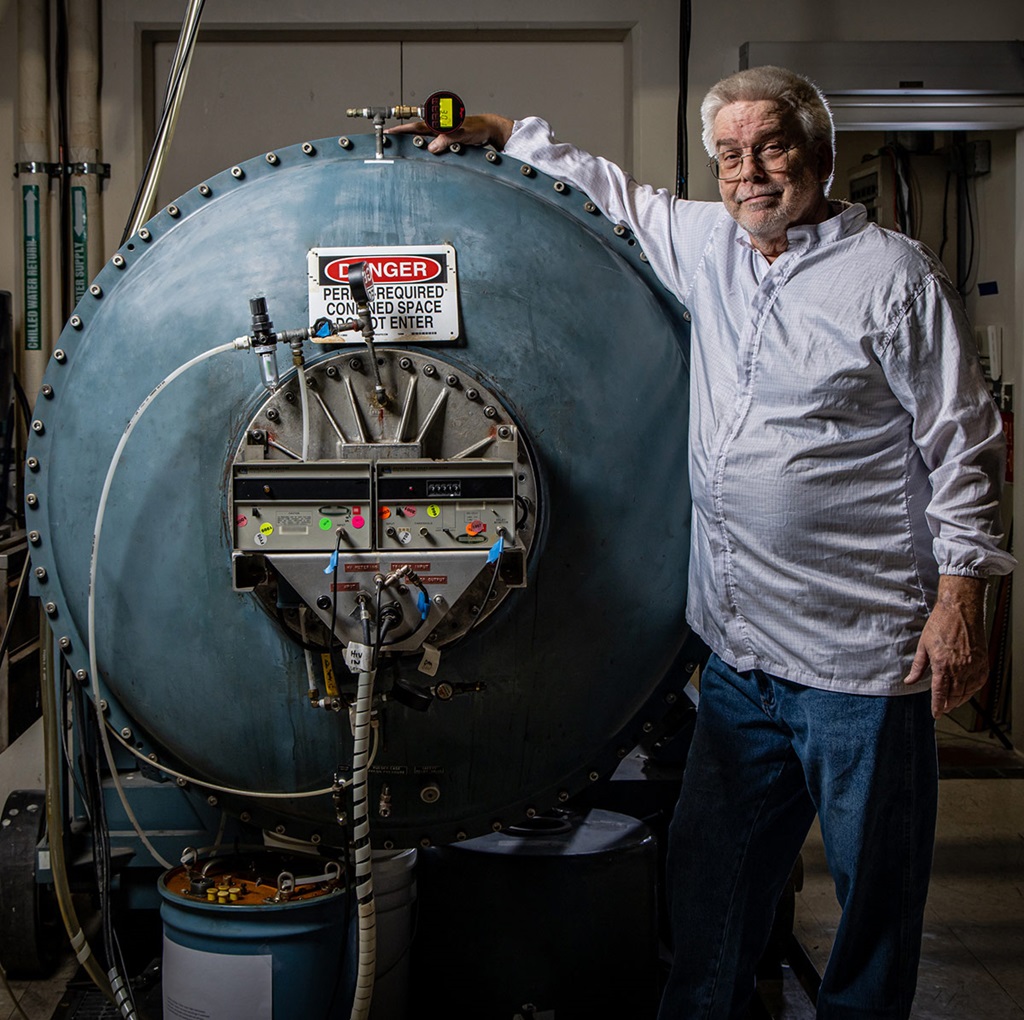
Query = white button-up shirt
x=844 y=448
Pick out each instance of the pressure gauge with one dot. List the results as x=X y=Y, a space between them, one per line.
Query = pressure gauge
x=443 y=111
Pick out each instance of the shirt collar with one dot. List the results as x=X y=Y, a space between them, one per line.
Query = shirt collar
x=847 y=218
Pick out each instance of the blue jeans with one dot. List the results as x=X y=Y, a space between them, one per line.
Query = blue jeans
x=766 y=755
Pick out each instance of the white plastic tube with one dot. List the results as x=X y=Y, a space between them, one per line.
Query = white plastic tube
x=367 y=965
x=94 y=673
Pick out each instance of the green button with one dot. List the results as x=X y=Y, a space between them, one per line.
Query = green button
x=325 y=524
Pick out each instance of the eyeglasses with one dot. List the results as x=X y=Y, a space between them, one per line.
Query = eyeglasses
x=772 y=156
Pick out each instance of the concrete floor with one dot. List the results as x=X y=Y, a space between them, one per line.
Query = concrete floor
x=973 y=958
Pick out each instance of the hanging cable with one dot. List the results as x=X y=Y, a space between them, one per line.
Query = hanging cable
x=145 y=196
x=64 y=161
x=682 y=134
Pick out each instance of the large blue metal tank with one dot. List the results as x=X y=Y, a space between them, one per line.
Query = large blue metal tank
x=569 y=340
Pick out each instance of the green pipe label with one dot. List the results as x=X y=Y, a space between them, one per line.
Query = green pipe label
x=80 y=240
x=30 y=255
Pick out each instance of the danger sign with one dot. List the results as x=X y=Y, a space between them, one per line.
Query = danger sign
x=415 y=295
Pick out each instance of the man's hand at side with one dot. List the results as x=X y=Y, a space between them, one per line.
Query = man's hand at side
x=953 y=643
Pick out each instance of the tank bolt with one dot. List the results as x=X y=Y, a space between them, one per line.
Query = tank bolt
x=496 y=826
x=455 y=147
x=103 y=701
x=559 y=186
x=40 y=573
x=344 y=142
x=425 y=842
x=332 y=372
x=60 y=356
x=153 y=757
x=211 y=800
x=34 y=537
x=643 y=256
x=531 y=812
x=472 y=394
x=96 y=290
x=671 y=698
x=490 y=411
x=51 y=608
x=205 y=190
x=47 y=391
x=76 y=321
x=405 y=364
x=309 y=148
x=429 y=371
x=289 y=397
x=492 y=156
x=444 y=691
x=32 y=499
x=273 y=414
x=279 y=829
x=245 y=816
x=237 y=172
x=438 y=600
x=119 y=261
x=257 y=435
x=504 y=432
x=32 y=463
x=272 y=158
x=527 y=171
x=65 y=644
x=687 y=317
x=173 y=211
x=323 y=602
x=356 y=364
x=145 y=234
x=315 y=839
x=563 y=795
x=181 y=781
x=38 y=427
x=430 y=794
x=589 y=207
x=594 y=777
x=647 y=727
x=452 y=380
x=389 y=844
x=460 y=836
x=619 y=230
x=419 y=141
x=126 y=733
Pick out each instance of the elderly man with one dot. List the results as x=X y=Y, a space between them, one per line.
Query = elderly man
x=845 y=466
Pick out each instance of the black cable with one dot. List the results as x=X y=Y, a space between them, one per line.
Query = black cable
x=64 y=160
x=970 y=234
x=945 y=215
x=26 y=410
x=682 y=135
x=172 y=89
x=334 y=592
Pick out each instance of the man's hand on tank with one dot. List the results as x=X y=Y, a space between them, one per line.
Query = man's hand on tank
x=478 y=129
x=953 y=644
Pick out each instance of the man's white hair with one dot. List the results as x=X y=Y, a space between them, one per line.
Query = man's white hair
x=775 y=84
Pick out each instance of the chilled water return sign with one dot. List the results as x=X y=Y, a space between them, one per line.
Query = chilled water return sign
x=415 y=293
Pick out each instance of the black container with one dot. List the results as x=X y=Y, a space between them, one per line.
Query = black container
x=554 y=919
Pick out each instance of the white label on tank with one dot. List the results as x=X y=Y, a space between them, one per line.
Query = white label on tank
x=415 y=292
x=358 y=657
x=214 y=986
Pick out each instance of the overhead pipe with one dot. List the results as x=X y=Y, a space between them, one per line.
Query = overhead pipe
x=34 y=173
x=87 y=173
